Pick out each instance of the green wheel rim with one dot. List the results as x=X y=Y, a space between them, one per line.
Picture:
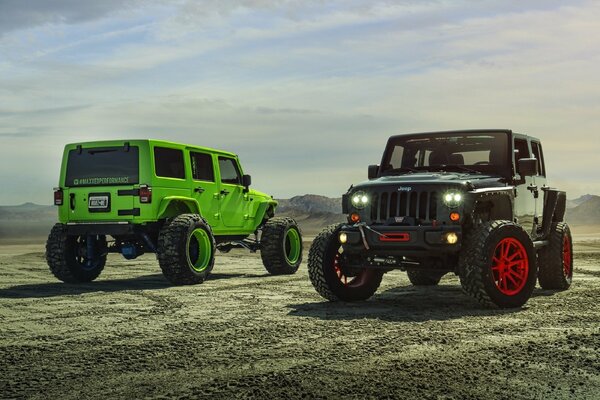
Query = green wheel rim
x=199 y=250
x=292 y=246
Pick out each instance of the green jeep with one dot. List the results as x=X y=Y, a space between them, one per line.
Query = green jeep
x=179 y=201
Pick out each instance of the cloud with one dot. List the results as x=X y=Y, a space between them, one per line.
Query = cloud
x=21 y=15
x=306 y=92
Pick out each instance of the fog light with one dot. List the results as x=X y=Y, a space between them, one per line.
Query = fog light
x=354 y=217
x=343 y=238
x=451 y=238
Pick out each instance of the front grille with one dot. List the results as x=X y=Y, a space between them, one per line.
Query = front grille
x=420 y=205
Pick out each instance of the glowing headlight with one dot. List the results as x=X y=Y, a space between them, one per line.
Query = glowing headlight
x=451 y=238
x=360 y=200
x=453 y=199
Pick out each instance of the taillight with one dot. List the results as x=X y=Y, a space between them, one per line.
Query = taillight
x=58 y=197
x=145 y=194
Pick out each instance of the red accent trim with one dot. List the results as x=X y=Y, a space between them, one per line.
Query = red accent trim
x=395 y=237
x=510 y=266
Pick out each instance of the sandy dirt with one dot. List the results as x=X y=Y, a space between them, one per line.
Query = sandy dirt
x=244 y=334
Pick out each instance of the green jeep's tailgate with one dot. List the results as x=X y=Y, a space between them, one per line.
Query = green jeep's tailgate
x=100 y=182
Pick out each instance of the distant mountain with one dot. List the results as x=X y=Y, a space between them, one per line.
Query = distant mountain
x=312 y=212
x=586 y=213
x=28 y=211
x=580 y=200
x=311 y=203
x=26 y=220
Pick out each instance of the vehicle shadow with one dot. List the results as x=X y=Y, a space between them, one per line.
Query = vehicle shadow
x=402 y=304
x=143 y=282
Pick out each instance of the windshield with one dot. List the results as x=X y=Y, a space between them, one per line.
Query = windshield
x=103 y=166
x=467 y=152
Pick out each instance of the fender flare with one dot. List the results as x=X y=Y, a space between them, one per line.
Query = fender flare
x=172 y=206
x=554 y=209
x=502 y=201
x=263 y=214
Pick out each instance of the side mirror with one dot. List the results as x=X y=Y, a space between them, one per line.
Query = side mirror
x=527 y=167
x=373 y=171
x=246 y=181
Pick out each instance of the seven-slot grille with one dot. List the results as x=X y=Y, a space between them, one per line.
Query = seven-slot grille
x=419 y=205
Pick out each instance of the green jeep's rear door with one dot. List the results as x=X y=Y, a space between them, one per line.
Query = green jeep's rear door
x=100 y=183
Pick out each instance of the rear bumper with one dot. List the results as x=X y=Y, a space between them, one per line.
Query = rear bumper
x=101 y=228
x=410 y=241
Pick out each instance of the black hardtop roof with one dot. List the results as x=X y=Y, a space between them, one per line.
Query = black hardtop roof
x=466 y=131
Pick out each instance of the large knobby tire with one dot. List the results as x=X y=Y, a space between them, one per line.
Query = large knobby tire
x=186 y=250
x=281 y=246
x=65 y=255
x=497 y=265
x=424 y=278
x=556 y=259
x=328 y=275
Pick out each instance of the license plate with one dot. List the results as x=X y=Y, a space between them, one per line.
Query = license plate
x=98 y=202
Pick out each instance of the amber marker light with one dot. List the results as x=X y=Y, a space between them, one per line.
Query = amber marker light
x=354 y=217
x=454 y=216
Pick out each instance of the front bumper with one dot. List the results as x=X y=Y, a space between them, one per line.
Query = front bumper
x=409 y=241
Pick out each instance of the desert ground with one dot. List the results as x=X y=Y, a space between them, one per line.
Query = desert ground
x=245 y=334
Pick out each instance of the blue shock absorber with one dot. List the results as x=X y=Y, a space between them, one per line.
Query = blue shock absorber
x=90 y=256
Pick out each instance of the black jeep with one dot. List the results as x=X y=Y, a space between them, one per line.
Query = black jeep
x=473 y=202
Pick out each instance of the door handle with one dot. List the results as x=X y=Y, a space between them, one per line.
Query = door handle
x=199 y=189
x=224 y=192
x=532 y=187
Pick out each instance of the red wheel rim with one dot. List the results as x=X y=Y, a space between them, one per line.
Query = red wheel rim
x=510 y=266
x=354 y=281
x=567 y=257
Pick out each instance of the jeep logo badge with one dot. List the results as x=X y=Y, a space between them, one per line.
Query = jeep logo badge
x=404 y=189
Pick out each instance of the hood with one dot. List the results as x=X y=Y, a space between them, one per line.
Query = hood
x=256 y=194
x=473 y=181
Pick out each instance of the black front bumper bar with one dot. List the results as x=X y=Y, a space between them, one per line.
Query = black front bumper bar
x=415 y=241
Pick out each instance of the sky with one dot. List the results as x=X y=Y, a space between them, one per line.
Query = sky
x=306 y=92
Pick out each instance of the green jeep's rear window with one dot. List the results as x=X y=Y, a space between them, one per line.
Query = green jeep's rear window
x=169 y=163
x=103 y=166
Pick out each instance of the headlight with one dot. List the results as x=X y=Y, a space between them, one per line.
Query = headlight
x=453 y=199
x=360 y=200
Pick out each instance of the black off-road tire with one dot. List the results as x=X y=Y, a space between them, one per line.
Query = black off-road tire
x=62 y=256
x=173 y=248
x=475 y=264
x=276 y=249
x=323 y=276
x=556 y=259
x=424 y=278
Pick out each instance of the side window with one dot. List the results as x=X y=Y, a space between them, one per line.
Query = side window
x=537 y=153
x=169 y=163
x=229 y=171
x=202 y=167
x=521 y=151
